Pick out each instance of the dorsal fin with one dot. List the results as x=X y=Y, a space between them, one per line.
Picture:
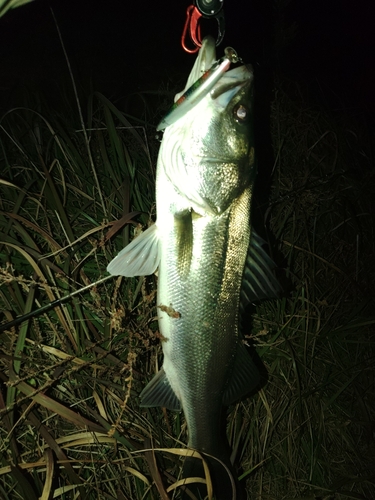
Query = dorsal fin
x=244 y=378
x=258 y=281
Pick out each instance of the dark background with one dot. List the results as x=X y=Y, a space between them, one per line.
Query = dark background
x=120 y=47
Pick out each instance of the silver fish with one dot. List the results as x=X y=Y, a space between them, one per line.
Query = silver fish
x=206 y=257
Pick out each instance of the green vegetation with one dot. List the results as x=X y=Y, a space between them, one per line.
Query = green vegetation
x=71 y=427
x=5 y=5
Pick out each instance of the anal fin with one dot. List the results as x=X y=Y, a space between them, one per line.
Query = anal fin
x=158 y=392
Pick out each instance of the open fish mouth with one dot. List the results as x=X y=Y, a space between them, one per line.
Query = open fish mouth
x=236 y=77
x=231 y=83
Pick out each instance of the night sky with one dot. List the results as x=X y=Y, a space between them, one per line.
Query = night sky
x=126 y=46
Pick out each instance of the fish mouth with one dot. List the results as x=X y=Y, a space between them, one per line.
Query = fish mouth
x=236 y=78
x=212 y=159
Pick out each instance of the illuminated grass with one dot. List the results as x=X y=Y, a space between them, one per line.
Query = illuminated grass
x=71 y=377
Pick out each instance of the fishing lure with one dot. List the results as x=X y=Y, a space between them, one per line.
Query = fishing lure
x=199 y=89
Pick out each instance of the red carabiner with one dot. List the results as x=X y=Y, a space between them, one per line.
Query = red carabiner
x=192 y=24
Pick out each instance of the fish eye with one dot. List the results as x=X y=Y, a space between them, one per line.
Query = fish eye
x=241 y=113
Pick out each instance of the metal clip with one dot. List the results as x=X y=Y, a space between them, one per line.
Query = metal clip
x=192 y=17
x=206 y=9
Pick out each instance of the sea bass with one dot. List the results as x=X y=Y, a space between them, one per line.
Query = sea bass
x=208 y=261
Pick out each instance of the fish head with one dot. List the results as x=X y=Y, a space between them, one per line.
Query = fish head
x=208 y=154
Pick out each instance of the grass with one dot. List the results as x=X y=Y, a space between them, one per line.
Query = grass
x=6 y=5
x=71 y=426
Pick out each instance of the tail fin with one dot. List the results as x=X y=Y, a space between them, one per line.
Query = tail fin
x=217 y=477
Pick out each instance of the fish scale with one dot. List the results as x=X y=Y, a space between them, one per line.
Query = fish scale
x=207 y=330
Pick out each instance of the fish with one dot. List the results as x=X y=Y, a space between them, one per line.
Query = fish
x=210 y=263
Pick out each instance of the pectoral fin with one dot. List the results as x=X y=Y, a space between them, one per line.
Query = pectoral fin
x=245 y=377
x=140 y=258
x=158 y=392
